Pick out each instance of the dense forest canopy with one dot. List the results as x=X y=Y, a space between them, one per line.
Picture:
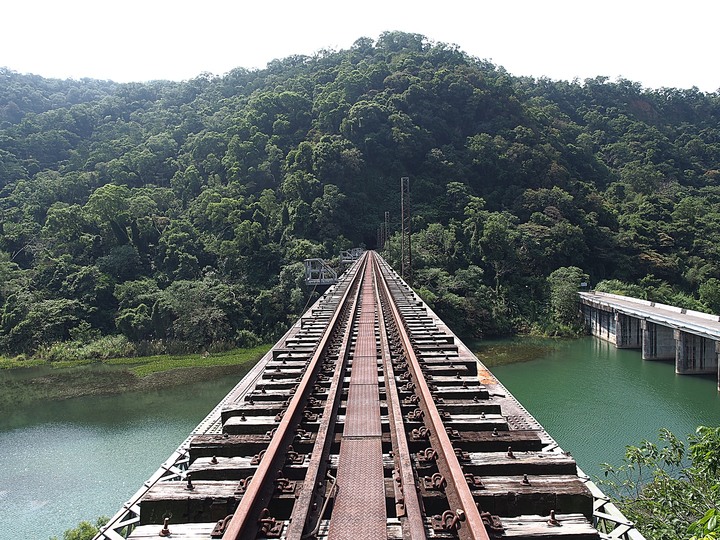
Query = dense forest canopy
x=180 y=212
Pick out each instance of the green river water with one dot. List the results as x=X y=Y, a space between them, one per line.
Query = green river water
x=66 y=461
x=594 y=399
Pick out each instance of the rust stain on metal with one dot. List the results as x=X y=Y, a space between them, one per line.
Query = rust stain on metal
x=485 y=377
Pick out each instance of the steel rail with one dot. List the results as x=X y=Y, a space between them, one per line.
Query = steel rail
x=460 y=498
x=244 y=523
x=410 y=506
x=324 y=437
x=172 y=469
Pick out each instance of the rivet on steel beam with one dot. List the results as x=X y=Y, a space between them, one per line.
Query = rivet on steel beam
x=510 y=453
x=525 y=480
x=214 y=460
x=482 y=414
x=495 y=432
x=553 y=522
x=189 y=485
x=242 y=417
x=165 y=531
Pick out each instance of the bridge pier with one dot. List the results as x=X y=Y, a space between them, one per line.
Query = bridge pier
x=600 y=323
x=623 y=331
x=662 y=332
x=695 y=354
x=628 y=331
x=658 y=342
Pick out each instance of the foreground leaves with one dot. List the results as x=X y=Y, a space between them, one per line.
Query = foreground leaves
x=669 y=490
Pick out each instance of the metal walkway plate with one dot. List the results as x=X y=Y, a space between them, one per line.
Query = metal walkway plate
x=360 y=510
x=362 y=418
x=364 y=371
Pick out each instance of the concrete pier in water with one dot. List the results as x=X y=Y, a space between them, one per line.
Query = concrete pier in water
x=661 y=332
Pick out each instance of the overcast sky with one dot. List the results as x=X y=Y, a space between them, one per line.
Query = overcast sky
x=139 y=40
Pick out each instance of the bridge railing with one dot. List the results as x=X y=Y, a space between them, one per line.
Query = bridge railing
x=124 y=521
x=610 y=522
x=665 y=307
x=318 y=272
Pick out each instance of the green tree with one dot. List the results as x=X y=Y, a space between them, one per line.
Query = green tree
x=29 y=323
x=109 y=204
x=499 y=244
x=196 y=313
x=710 y=294
x=564 y=284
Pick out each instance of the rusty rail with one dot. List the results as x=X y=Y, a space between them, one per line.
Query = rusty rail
x=409 y=505
x=312 y=483
x=470 y=522
x=244 y=523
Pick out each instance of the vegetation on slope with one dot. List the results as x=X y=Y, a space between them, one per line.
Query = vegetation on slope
x=671 y=490
x=177 y=214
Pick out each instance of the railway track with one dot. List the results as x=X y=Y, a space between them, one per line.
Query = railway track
x=368 y=420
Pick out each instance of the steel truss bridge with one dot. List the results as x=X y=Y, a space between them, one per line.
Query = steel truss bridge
x=369 y=419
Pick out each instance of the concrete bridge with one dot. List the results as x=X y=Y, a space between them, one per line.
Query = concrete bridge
x=661 y=332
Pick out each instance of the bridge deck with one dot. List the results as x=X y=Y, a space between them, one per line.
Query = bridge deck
x=702 y=324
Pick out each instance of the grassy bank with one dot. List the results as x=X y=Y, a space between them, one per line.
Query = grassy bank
x=512 y=351
x=25 y=381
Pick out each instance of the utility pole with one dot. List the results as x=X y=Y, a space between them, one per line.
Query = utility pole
x=405 y=235
x=387 y=228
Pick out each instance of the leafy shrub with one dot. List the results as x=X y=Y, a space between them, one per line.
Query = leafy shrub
x=84 y=531
x=670 y=490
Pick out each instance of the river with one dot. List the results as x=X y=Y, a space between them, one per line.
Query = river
x=594 y=399
x=73 y=460
x=66 y=461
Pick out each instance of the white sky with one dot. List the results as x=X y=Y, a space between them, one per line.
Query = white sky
x=656 y=43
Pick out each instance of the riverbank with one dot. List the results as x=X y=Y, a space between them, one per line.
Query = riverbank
x=515 y=350
x=23 y=383
x=26 y=381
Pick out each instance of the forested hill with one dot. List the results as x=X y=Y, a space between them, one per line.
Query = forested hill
x=177 y=214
